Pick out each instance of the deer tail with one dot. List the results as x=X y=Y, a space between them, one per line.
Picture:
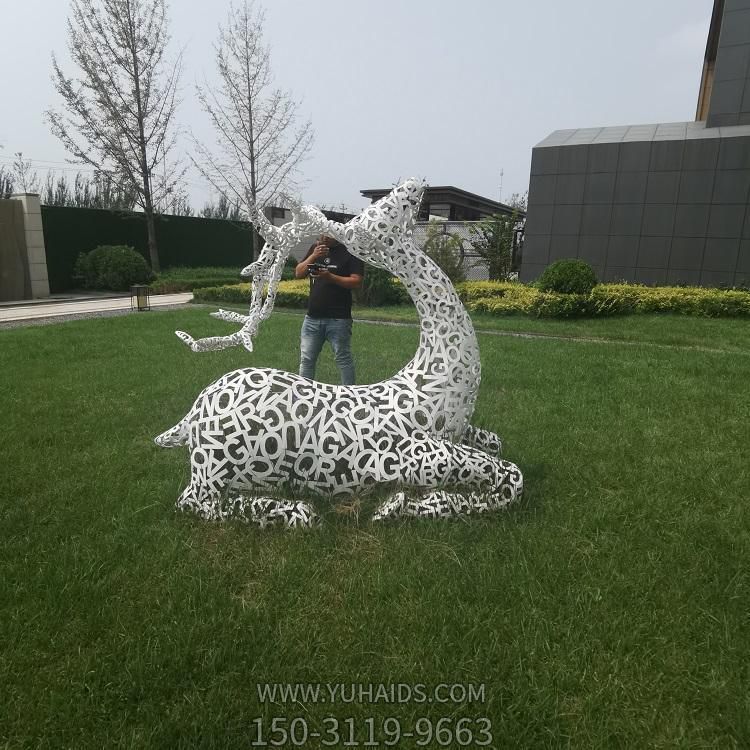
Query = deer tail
x=174 y=436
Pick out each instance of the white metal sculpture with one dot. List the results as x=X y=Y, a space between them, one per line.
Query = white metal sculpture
x=259 y=428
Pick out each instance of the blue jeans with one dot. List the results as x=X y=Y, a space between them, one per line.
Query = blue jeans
x=315 y=332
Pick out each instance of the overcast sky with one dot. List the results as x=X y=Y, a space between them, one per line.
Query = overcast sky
x=451 y=90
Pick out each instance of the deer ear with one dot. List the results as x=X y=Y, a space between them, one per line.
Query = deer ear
x=409 y=195
x=265 y=229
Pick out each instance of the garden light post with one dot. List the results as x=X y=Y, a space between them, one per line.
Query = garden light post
x=139 y=297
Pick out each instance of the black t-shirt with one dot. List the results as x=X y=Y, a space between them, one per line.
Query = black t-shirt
x=328 y=300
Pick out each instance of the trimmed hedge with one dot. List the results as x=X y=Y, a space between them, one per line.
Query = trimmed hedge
x=513 y=298
x=181 y=279
x=173 y=286
x=289 y=294
x=604 y=300
x=470 y=291
x=294 y=293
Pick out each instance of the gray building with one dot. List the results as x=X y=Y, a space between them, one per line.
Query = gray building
x=655 y=204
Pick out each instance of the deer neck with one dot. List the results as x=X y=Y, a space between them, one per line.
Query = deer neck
x=446 y=367
x=445 y=371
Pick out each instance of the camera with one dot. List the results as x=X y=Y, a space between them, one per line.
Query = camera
x=317 y=267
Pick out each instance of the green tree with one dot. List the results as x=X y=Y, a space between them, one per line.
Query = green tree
x=99 y=191
x=222 y=210
x=493 y=239
x=6 y=183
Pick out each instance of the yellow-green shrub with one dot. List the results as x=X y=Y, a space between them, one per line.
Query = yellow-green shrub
x=288 y=294
x=469 y=291
x=605 y=299
x=512 y=298
x=617 y=299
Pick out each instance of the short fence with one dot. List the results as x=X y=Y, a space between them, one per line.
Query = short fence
x=475 y=267
x=192 y=241
x=183 y=240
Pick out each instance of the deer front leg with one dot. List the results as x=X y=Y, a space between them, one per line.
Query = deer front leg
x=269 y=511
x=261 y=511
x=484 y=440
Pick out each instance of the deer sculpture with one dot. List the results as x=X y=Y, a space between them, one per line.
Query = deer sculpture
x=257 y=429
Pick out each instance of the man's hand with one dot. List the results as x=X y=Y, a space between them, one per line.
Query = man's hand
x=319 y=252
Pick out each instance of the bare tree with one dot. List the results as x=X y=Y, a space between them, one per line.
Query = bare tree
x=25 y=178
x=120 y=111
x=259 y=147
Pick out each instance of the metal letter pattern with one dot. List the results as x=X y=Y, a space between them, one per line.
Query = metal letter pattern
x=257 y=429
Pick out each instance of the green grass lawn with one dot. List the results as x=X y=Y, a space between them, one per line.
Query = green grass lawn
x=729 y=334
x=611 y=608
x=680 y=330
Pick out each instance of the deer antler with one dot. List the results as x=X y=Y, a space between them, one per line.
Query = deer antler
x=306 y=220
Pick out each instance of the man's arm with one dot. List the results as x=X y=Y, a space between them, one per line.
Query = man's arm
x=354 y=281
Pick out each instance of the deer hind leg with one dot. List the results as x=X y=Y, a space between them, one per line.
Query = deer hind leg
x=435 y=504
x=492 y=484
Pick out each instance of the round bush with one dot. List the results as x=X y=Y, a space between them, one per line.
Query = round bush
x=568 y=277
x=287 y=274
x=115 y=267
x=380 y=288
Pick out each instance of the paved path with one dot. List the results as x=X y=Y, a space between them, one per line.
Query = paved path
x=82 y=307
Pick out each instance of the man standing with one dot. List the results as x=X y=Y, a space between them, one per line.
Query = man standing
x=329 y=308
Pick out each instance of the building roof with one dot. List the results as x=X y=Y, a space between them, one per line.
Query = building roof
x=449 y=194
x=664 y=131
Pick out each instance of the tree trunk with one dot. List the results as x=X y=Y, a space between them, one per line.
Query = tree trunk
x=153 y=252
x=148 y=205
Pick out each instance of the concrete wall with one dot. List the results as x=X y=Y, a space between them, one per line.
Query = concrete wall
x=14 y=268
x=654 y=204
x=730 y=92
x=35 y=250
